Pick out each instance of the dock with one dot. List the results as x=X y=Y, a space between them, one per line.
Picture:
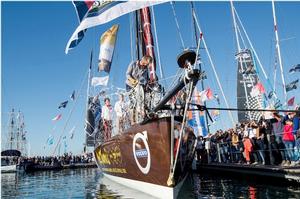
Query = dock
x=79 y=165
x=38 y=167
x=268 y=172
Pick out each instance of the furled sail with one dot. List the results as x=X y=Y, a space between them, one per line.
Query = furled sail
x=249 y=91
x=148 y=40
x=104 y=11
x=107 y=46
x=92 y=121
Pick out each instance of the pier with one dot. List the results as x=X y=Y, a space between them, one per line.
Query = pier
x=266 y=172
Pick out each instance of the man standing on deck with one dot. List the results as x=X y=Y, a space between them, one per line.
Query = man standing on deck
x=121 y=110
x=106 y=115
x=137 y=72
x=136 y=80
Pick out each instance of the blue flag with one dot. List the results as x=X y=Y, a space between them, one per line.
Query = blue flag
x=50 y=140
x=81 y=7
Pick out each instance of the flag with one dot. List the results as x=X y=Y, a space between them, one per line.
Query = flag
x=107 y=45
x=57 y=117
x=291 y=101
x=205 y=95
x=50 y=140
x=295 y=68
x=271 y=94
x=215 y=115
x=291 y=86
x=71 y=132
x=257 y=90
x=73 y=96
x=196 y=119
x=216 y=96
x=63 y=104
x=97 y=81
x=81 y=8
x=105 y=11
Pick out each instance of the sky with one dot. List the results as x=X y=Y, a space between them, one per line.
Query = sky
x=36 y=74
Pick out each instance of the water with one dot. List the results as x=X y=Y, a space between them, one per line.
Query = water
x=89 y=183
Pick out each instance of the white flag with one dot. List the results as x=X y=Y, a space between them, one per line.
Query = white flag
x=105 y=11
x=97 y=81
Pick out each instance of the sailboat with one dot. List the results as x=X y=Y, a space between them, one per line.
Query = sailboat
x=16 y=143
x=146 y=155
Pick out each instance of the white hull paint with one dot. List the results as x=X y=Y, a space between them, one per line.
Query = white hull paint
x=153 y=190
x=9 y=169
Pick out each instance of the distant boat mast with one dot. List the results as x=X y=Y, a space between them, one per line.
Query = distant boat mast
x=278 y=51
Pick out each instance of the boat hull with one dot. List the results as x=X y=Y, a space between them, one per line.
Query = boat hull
x=9 y=168
x=141 y=156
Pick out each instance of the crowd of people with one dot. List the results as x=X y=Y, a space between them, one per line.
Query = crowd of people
x=274 y=141
x=65 y=159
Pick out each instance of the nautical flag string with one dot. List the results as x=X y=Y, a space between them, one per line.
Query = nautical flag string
x=63 y=104
x=56 y=118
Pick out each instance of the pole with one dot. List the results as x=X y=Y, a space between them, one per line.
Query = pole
x=200 y=67
x=278 y=51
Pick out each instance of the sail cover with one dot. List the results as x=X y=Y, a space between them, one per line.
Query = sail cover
x=90 y=124
x=247 y=81
x=104 y=11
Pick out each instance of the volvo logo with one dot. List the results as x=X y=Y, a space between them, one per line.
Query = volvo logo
x=141 y=153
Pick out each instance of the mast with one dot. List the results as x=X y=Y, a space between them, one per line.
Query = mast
x=11 y=130
x=137 y=48
x=278 y=50
x=200 y=67
x=148 y=40
x=88 y=87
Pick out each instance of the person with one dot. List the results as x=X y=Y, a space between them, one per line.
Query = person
x=248 y=147
x=136 y=80
x=121 y=110
x=137 y=72
x=106 y=115
x=289 y=141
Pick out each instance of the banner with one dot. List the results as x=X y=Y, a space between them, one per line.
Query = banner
x=104 y=11
x=107 y=45
x=100 y=81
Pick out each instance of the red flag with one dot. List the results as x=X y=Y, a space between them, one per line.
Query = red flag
x=57 y=117
x=291 y=101
x=260 y=87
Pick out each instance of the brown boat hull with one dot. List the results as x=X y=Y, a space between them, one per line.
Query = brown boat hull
x=142 y=154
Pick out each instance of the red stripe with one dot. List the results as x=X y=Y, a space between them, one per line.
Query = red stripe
x=89 y=3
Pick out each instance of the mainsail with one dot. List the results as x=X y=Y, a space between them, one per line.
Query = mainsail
x=247 y=79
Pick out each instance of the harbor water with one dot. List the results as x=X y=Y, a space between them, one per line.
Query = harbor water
x=90 y=183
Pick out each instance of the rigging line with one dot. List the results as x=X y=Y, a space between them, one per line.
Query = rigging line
x=70 y=113
x=254 y=51
x=198 y=43
x=236 y=30
x=241 y=36
x=278 y=50
x=200 y=107
x=177 y=25
x=162 y=75
x=214 y=69
x=190 y=90
x=259 y=62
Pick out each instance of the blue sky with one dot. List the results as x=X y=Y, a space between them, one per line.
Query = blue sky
x=37 y=75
